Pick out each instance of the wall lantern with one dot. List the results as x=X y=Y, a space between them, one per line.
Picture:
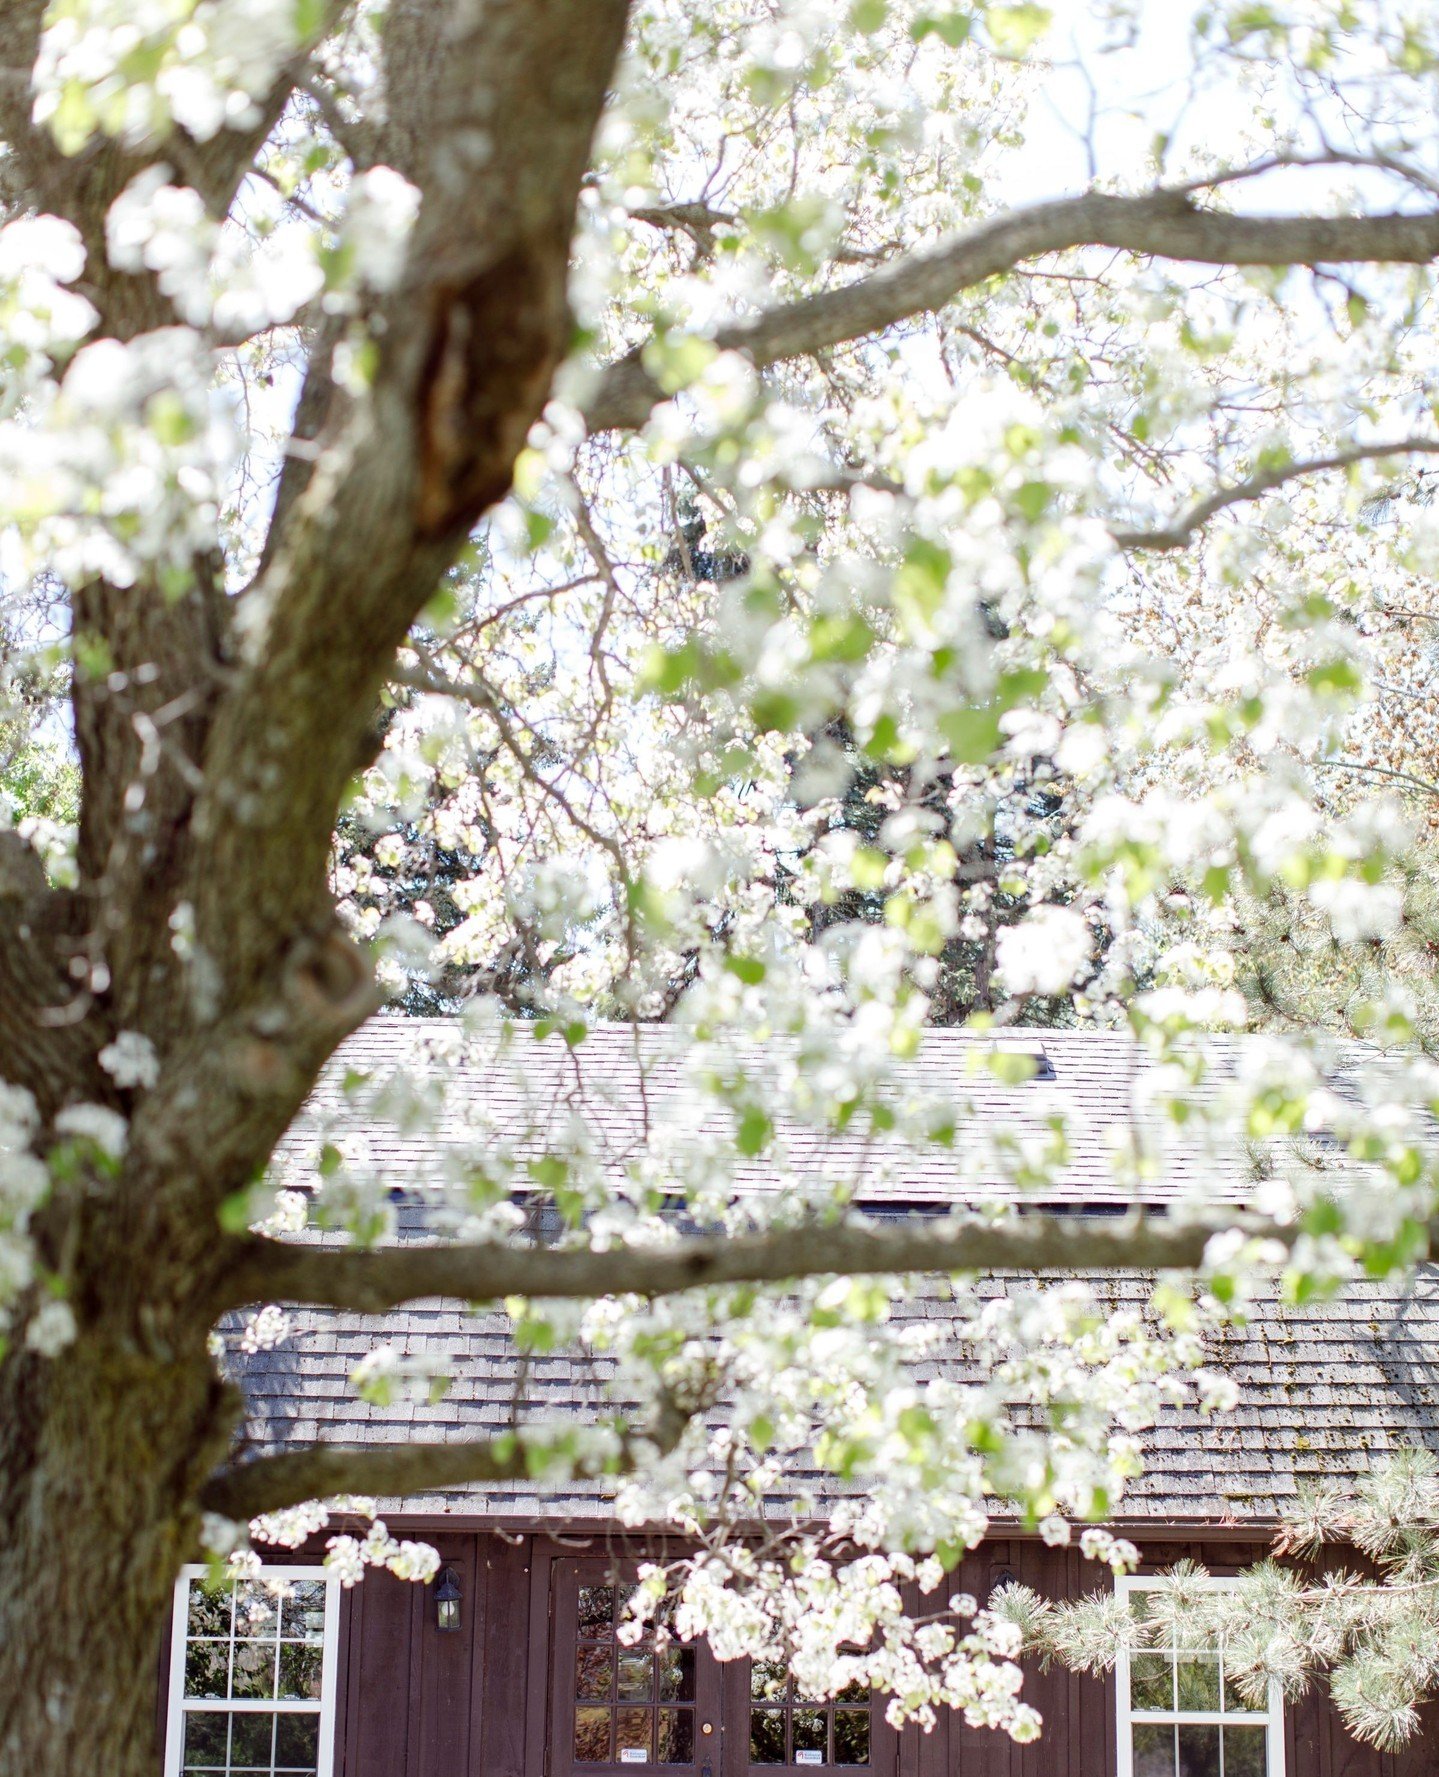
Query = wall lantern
x=447 y=1599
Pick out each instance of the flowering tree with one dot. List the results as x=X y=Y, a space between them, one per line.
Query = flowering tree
x=365 y=368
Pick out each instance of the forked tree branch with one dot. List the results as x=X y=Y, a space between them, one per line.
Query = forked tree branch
x=1162 y=224
x=505 y=102
x=376 y=1280
x=1176 y=534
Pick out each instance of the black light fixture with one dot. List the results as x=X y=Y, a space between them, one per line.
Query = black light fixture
x=447 y=1600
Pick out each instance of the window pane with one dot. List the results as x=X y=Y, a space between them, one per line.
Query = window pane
x=253 y=1671
x=594 y=1669
x=1151 y=1682
x=251 y=1738
x=632 y=1732
x=209 y=1612
x=301 y=1669
x=1244 y=1752
x=677 y=1674
x=255 y=1613
x=297 y=1742
x=1198 y=1684
x=637 y=1678
x=302 y=1617
x=766 y=1736
x=206 y=1736
x=858 y=1692
x=592 y=1736
x=597 y=1609
x=677 y=1737
x=1234 y=1704
x=1153 y=1750
x=768 y=1681
x=207 y=1669
x=808 y=1730
x=1198 y=1751
x=851 y=1736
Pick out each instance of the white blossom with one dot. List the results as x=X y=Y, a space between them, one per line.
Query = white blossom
x=51 y=1328
x=95 y=1123
x=130 y=1060
x=1046 y=952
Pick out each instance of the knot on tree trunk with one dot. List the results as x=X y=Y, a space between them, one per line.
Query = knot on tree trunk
x=328 y=980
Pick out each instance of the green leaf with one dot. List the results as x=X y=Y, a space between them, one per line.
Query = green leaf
x=1032 y=498
x=675 y=360
x=237 y=1211
x=867 y=868
x=549 y=1171
x=748 y=969
x=1338 y=677
x=845 y=638
x=310 y=18
x=953 y=28
x=774 y=712
x=755 y=1129
x=971 y=734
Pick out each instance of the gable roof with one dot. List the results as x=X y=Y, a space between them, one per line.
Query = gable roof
x=630 y=1089
x=1325 y=1390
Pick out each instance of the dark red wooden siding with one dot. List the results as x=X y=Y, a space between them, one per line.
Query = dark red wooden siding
x=416 y=1703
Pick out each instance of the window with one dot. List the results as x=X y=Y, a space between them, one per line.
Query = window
x=252 y=1676
x=625 y=1704
x=667 y=1703
x=786 y=1730
x=1180 y=1717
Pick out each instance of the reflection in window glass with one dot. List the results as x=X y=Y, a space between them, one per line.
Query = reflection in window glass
x=851 y=1736
x=1197 y=1684
x=248 y=1688
x=676 y=1737
x=766 y=1737
x=1244 y=1752
x=1198 y=1750
x=592 y=1736
x=1182 y=1716
x=618 y=1689
x=785 y=1729
x=1153 y=1750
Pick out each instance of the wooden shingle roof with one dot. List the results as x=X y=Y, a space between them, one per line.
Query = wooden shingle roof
x=1324 y=1390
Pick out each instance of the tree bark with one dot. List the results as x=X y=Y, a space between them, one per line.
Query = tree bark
x=214 y=758
x=101 y=1461
x=213 y=765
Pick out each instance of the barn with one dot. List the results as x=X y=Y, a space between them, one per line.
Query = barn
x=508 y=1665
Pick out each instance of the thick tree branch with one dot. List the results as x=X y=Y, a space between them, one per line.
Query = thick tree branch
x=1162 y=224
x=1176 y=534
x=467 y=348
x=289 y=1477
x=46 y=1043
x=373 y=1281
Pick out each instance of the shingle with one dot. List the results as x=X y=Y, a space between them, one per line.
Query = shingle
x=1324 y=1390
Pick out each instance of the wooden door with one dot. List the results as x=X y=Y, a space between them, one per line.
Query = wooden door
x=616 y=1707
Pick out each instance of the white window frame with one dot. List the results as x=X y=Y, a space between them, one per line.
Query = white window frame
x=180 y=1705
x=1271 y=1719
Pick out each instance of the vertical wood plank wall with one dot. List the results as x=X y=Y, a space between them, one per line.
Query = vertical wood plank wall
x=417 y=1703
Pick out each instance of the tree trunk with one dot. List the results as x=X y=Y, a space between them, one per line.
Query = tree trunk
x=101 y=1454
